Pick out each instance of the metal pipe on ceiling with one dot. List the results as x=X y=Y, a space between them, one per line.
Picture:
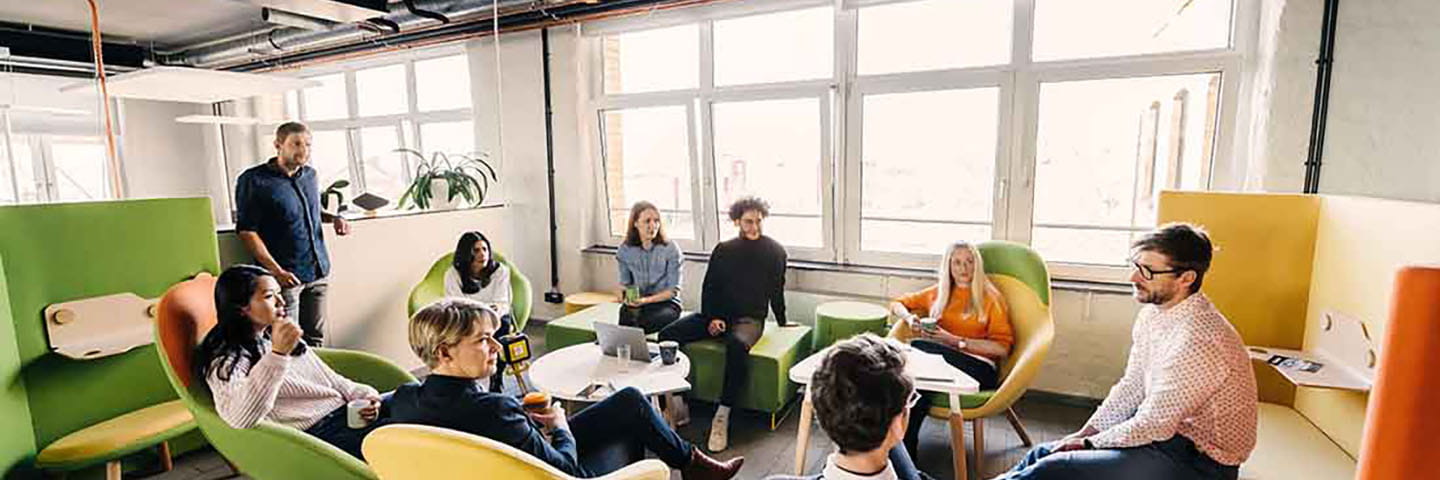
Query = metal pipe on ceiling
x=288 y=39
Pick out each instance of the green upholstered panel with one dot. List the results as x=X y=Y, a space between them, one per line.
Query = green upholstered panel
x=64 y=252
x=942 y=402
x=1018 y=261
x=432 y=288
x=17 y=438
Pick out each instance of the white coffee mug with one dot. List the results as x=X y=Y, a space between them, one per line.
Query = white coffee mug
x=352 y=413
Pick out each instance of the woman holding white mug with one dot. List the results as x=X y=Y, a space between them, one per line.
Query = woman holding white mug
x=257 y=368
x=961 y=318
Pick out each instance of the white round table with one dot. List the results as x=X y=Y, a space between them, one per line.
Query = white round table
x=565 y=372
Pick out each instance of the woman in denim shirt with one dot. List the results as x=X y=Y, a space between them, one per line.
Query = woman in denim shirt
x=649 y=266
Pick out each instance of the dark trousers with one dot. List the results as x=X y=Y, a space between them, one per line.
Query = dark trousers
x=1175 y=459
x=739 y=336
x=651 y=317
x=905 y=468
x=982 y=372
x=334 y=429
x=306 y=304
x=497 y=380
x=625 y=419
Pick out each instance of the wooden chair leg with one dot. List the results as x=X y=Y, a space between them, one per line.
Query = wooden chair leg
x=1019 y=427
x=166 y=463
x=978 y=425
x=112 y=470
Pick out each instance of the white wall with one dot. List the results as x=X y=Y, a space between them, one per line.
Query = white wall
x=161 y=157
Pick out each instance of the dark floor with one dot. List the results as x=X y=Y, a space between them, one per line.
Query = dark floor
x=768 y=452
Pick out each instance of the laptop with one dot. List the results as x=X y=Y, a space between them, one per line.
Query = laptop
x=611 y=336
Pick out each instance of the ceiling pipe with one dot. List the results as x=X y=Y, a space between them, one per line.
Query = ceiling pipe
x=290 y=39
x=561 y=14
x=290 y=19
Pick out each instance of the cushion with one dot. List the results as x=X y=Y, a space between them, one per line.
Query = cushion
x=117 y=437
x=1289 y=446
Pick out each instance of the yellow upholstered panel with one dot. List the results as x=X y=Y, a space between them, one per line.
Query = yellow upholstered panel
x=1260 y=277
x=1289 y=447
x=421 y=452
x=1360 y=244
x=121 y=433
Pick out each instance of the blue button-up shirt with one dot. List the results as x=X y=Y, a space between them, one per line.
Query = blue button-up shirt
x=653 y=271
x=285 y=212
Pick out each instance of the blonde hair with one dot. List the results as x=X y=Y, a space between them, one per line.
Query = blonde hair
x=979 y=284
x=445 y=323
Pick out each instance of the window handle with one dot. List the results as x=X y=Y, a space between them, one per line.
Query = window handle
x=1004 y=188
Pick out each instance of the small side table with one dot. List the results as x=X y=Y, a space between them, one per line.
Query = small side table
x=565 y=372
x=582 y=300
x=835 y=321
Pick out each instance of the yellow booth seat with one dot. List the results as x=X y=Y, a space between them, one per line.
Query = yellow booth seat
x=112 y=439
x=1289 y=446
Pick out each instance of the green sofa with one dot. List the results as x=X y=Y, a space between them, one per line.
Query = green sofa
x=770 y=388
x=432 y=288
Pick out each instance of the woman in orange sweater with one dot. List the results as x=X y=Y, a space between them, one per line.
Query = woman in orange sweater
x=961 y=318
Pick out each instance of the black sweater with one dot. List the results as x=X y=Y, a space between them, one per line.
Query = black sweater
x=743 y=277
x=460 y=404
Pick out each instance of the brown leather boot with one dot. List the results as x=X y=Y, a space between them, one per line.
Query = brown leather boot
x=702 y=467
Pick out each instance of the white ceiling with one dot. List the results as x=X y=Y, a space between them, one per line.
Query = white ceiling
x=166 y=23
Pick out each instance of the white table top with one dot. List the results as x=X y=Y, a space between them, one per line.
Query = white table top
x=929 y=370
x=564 y=372
x=1331 y=373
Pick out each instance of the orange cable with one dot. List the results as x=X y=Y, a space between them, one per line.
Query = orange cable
x=98 y=51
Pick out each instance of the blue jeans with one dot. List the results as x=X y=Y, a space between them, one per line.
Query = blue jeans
x=335 y=430
x=1173 y=459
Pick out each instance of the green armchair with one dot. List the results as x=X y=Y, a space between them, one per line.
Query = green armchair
x=432 y=288
x=268 y=450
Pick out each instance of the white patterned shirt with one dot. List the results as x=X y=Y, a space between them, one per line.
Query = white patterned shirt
x=1188 y=374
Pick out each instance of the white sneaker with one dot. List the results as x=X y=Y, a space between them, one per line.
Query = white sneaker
x=720 y=430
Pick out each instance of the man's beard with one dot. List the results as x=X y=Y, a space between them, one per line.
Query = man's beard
x=1151 y=296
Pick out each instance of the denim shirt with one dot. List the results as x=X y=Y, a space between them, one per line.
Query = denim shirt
x=653 y=271
x=285 y=212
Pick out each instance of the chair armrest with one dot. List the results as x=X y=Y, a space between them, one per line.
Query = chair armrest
x=649 y=469
x=366 y=368
x=271 y=450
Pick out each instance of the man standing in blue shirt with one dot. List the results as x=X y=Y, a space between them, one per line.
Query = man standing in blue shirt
x=278 y=219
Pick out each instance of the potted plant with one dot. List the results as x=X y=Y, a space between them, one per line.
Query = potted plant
x=334 y=190
x=442 y=181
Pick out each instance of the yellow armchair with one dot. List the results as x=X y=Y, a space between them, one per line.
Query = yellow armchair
x=395 y=453
x=1021 y=276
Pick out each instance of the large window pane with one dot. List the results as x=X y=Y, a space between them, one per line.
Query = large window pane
x=442 y=83
x=647 y=157
x=928 y=169
x=450 y=138
x=330 y=156
x=1069 y=29
x=26 y=162
x=327 y=100
x=385 y=169
x=778 y=47
x=1105 y=148
x=81 y=172
x=653 y=60
x=382 y=90
x=934 y=35
x=771 y=149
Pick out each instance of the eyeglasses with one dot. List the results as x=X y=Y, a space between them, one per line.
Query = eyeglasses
x=1149 y=274
x=914 y=398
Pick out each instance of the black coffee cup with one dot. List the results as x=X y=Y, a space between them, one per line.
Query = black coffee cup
x=669 y=352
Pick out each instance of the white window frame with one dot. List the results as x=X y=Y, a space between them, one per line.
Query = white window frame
x=1018 y=114
x=406 y=124
x=46 y=179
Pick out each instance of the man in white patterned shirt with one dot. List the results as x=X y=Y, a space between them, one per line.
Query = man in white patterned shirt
x=1185 y=408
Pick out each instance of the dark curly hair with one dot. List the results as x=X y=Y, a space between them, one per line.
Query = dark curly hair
x=745 y=204
x=465 y=255
x=1187 y=245
x=859 y=389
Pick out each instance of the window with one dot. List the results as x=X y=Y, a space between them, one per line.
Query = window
x=54 y=168
x=653 y=167
x=785 y=171
x=882 y=130
x=927 y=166
x=422 y=103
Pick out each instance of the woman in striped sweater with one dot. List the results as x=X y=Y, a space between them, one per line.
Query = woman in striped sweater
x=257 y=368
